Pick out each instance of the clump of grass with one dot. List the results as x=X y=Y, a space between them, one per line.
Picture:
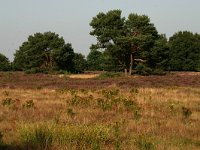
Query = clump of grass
x=62 y=90
x=104 y=104
x=144 y=142
x=78 y=136
x=84 y=91
x=73 y=92
x=84 y=137
x=132 y=105
x=28 y=104
x=186 y=112
x=134 y=91
x=70 y=112
x=81 y=101
x=7 y=102
x=6 y=93
x=75 y=100
x=117 y=136
x=36 y=137
x=109 y=93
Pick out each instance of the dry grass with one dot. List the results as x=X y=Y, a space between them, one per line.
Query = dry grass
x=133 y=118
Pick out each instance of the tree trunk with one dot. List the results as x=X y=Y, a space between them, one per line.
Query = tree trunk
x=125 y=71
x=131 y=64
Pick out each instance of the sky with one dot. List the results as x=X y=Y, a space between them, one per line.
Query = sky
x=70 y=19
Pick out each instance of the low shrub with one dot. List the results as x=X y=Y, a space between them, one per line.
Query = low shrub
x=186 y=112
x=7 y=102
x=28 y=104
x=143 y=70
x=109 y=75
x=144 y=142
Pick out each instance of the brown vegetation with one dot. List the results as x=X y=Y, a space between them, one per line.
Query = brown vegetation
x=123 y=113
x=33 y=81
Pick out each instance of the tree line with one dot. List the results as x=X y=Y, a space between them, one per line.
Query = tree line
x=132 y=44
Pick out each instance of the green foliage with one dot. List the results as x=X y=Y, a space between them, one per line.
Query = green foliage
x=36 y=70
x=104 y=104
x=4 y=63
x=36 y=138
x=80 y=64
x=110 y=93
x=95 y=60
x=7 y=102
x=132 y=105
x=117 y=135
x=77 y=136
x=158 y=56
x=185 y=51
x=122 y=38
x=144 y=142
x=28 y=104
x=44 y=51
x=134 y=91
x=75 y=100
x=109 y=75
x=143 y=69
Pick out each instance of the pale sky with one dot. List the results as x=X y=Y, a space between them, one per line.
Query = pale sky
x=70 y=19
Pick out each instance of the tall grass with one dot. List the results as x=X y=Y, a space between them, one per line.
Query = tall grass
x=43 y=136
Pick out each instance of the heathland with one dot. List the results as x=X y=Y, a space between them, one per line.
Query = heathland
x=43 y=111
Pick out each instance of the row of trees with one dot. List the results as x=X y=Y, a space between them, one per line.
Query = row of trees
x=135 y=43
x=122 y=44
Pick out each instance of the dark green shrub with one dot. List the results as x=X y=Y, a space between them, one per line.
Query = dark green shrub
x=7 y=102
x=159 y=72
x=109 y=75
x=143 y=70
x=36 y=70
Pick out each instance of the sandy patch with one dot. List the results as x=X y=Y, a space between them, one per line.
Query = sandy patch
x=84 y=76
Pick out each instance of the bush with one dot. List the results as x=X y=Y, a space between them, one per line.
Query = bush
x=35 y=70
x=143 y=70
x=28 y=104
x=158 y=72
x=7 y=102
x=186 y=112
x=109 y=75
x=144 y=142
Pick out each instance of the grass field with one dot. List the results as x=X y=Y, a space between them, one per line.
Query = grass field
x=124 y=113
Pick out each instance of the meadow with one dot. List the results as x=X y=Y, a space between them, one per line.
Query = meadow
x=40 y=111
